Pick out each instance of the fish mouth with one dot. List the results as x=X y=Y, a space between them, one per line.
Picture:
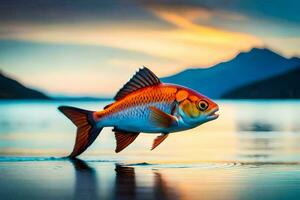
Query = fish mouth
x=213 y=115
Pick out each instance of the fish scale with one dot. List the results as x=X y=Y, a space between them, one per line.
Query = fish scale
x=136 y=106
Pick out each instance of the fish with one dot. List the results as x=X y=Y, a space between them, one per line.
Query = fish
x=143 y=105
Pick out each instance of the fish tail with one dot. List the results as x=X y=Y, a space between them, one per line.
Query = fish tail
x=87 y=131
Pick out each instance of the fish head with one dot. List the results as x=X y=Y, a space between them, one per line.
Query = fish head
x=195 y=108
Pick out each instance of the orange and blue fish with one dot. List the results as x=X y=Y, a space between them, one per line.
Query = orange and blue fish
x=144 y=104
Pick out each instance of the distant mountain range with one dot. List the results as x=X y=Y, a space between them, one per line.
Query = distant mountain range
x=245 y=68
x=283 y=86
x=259 y=73
x=12 y=89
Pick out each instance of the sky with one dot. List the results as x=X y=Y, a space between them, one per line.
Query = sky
x=89 y=47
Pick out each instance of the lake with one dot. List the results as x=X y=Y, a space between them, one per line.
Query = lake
x=251 y=151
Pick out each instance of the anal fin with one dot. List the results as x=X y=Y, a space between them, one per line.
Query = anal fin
x=158 y=140
x=123 y=139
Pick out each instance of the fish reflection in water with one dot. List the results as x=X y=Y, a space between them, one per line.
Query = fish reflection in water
x=86 y=183
x=127 y=185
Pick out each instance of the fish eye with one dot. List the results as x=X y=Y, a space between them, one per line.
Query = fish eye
x=203 y=105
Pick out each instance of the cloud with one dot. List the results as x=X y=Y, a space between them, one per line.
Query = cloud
x=292 y=44
x=185 y=42
x=167 y=37
x=184 y=19
x=279 y=10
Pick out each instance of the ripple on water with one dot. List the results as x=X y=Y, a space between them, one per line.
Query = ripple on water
x=211 y=165
x=185 y=165
x=30 y=159
x=202 y=165
x=42 y=159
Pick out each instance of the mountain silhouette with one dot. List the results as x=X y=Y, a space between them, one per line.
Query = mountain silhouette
x=231 y=79
x=12 y=89
x=283 y=86
x=245 y=68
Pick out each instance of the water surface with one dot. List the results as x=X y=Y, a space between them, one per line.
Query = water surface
x=250 y=152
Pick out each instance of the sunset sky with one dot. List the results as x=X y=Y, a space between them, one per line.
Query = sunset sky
x=89 y=47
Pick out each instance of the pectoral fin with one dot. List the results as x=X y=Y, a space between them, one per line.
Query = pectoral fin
x=161 y=118
x=159 y=139
x=124 y=139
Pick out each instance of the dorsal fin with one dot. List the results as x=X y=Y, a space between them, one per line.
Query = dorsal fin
x=143 y=78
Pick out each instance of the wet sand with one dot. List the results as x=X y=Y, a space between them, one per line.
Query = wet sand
x=56 y=178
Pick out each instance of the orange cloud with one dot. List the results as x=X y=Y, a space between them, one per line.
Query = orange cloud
x=190 y=31
x=186 y=44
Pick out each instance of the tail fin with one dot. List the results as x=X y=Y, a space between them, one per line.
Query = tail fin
x=87 y=131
